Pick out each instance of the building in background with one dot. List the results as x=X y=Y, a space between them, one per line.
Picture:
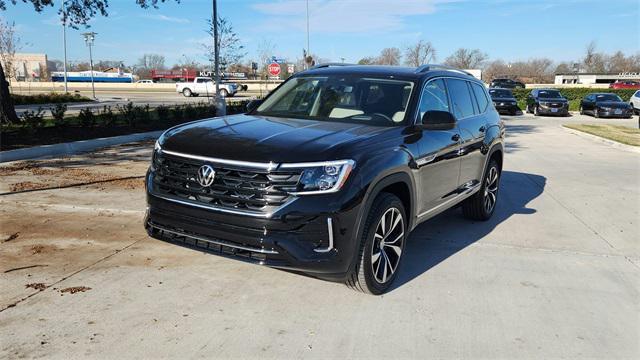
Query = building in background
x=590 y=79
x=29 y=67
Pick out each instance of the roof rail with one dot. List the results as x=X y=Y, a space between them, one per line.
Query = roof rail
x=430 y=67
x=325 y=65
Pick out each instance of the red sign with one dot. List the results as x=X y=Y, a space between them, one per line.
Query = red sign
x=274 y=69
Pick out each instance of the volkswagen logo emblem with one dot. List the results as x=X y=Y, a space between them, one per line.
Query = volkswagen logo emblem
x=206 y=175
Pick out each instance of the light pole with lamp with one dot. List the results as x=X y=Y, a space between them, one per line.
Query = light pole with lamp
x=89 y=37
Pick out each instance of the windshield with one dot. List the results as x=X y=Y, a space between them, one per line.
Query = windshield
x=549 y=94
x=499 y=93
x=608 y=97
x=354 y=99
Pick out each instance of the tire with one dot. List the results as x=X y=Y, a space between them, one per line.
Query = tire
x=187 y=92
x=536 y=112
x=482 y=204
x=368 y=276
x=223 y=92
x=596 y=113
x=581 y=111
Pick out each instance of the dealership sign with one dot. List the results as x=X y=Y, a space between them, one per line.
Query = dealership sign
x=274 y=69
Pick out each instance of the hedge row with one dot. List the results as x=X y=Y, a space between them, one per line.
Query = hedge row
x=574 y=95
x=51 y=98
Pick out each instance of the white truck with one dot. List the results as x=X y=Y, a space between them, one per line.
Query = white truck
x=206 y=87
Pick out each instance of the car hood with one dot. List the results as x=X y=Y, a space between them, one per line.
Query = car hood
x=613 y=104
x=264 y=139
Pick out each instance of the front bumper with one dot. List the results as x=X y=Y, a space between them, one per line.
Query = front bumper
x=310 y=234
x=560 y=111
x=613 y=113
x=506 y=108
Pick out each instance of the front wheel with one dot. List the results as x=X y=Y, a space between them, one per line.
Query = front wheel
x=223 y=92
x=482 y=204
x=536 y=111
x=381 y=246
x=187 y=92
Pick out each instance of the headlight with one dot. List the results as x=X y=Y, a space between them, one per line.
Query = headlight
x=322 y=177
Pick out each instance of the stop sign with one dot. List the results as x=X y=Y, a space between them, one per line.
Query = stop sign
x=274 y=69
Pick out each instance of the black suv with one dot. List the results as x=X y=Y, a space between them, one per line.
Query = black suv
x=504 y=101
x=330 y=173
x=506 y=84
x=547 y=102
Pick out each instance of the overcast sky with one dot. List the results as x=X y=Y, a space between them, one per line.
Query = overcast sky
x=507 y=29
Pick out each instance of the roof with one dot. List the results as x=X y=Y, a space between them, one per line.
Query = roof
x=400 y=72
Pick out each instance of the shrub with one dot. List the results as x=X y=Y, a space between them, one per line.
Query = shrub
x=52 y=98
x=177 y=113
x=142 y=115
x=107 y=116
x=58 y=111
x=86 y=117
x=33 y=119
x=128 y=112
x=190 y=112
x=163 y=113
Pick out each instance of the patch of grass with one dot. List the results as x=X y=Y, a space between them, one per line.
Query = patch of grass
x=621 y=134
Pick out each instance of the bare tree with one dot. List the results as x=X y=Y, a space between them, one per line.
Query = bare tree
x=9 y=43
x=421 y=53
x=231 y=49
x=389 y=56
x=369 y=60
x=266 y=49
x=467 y=58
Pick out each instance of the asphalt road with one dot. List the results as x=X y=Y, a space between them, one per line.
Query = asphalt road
x=554 y=274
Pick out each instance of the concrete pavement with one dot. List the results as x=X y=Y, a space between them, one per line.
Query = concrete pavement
x=554 y=274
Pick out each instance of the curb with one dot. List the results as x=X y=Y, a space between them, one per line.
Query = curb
x=74 y=147
x=611 y=143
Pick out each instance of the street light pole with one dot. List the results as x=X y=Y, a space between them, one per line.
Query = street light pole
x=64 y=41
x=216 y=50
x=88 y=39
x=308 y=49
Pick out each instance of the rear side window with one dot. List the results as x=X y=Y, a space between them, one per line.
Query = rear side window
x=481 y=97
x=460 y=98
x=434 y=97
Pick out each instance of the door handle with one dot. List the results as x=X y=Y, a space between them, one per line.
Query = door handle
x=482 y=129
x=455 y=137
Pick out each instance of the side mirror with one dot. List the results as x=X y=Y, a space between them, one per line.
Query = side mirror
x=438 y=120
x=252 y=105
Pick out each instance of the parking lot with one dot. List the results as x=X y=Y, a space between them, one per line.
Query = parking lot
x=554 y=274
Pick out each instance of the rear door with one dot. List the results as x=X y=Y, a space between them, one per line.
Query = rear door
x=472 y=126
x=438 y=162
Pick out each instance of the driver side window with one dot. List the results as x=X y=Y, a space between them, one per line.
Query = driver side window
x=434 y=97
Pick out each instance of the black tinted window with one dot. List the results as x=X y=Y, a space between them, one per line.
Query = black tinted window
x=481 y=97
x=460 y=98
x=434 y=97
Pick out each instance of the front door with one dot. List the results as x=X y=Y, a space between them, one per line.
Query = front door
x=438 y=162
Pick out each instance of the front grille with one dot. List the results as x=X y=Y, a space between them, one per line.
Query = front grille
x=234 y=188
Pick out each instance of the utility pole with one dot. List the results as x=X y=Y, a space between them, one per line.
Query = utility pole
x=216 y=51
x=64 y=42
x=308 y=49
x=89 y=37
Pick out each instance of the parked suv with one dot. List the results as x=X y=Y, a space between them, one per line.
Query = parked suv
x=506 y=84
x=547 y=102
x=330 y=173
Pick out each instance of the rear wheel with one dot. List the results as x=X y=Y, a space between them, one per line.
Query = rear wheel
x=187 y=92
x=381 y=246
x=482 y=204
